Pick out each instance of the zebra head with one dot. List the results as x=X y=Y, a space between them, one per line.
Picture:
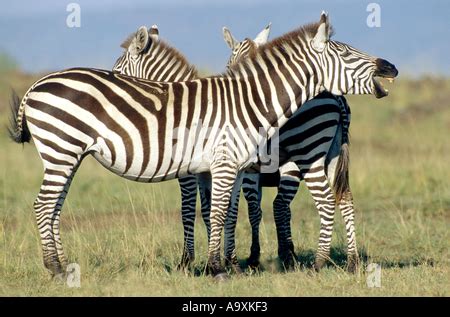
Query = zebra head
x=146 y=56
x=136 y=45
x=347 y=70
x=245 y=48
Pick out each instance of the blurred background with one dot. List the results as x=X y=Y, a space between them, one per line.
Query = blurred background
x=128 y=237
x=34 y=35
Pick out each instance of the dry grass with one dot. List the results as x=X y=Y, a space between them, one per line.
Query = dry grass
x=127 y=237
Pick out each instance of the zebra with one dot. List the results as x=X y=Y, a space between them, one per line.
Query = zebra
x=146 y=56
x=246 y=48
x=159 y=61
x=288 y=177
x=159 y=57
x=131 y=127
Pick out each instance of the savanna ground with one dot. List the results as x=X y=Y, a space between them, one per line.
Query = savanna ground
x=127 y=237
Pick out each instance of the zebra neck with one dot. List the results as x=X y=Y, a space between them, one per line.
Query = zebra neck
x=280 y=81
x=164 y=63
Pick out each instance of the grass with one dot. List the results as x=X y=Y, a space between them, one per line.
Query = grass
x=127 y=237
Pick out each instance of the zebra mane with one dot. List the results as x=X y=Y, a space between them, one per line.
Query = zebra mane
x=125 y=44
x=167 y=49
x=303 y=33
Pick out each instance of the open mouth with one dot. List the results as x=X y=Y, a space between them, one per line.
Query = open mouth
x=378 y=86
x=385 y=70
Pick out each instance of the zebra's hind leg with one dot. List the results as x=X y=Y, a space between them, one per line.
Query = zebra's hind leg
x=224 y=176
x=231 y=260
x=204 y=184
x=253 y=193
x=318 y=185
x=188 y=187
x=287 y=189
x=204 y=181
x=348 y=213
x=47 y=207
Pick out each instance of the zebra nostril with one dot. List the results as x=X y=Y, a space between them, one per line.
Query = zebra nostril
x=385 y=69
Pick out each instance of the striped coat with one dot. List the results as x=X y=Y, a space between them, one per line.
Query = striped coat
x=129 y=125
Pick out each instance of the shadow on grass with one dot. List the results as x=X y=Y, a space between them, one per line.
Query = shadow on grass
x=197 y=269
x=305 y=261
x=404 y=263
x=338 y=256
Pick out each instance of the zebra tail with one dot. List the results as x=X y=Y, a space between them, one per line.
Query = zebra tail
x=18 y=128
x=341 y=178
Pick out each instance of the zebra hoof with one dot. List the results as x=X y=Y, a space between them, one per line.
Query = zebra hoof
x=233 y=265
x=237 y=269
x=60 y=278
x=253 y=263
x=288 y=264
x=319 y=263
x=288 y=260
x=183 y=266
x=221 y=277
x=185 y=263
x=353 y=265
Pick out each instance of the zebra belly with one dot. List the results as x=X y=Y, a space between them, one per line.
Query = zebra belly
x=149 y=171
x=308 y=136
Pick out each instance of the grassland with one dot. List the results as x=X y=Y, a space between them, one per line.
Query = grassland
x=127 y=237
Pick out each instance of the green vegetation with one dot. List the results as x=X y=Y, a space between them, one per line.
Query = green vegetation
x=7 y=63
x=127 y=237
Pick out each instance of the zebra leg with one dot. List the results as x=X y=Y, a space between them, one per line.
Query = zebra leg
x=231 y=260
x=287 y=189
x=204 y=184
x=318 y=185
x=204 y=181
x=348 y=213
x=252 y=193
x=188 y=187
x=47 y=207
x=223 y=175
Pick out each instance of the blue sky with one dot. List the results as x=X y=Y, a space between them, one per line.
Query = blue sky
x=414 y=35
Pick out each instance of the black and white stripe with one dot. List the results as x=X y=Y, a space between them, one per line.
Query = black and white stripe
x=332 y=138
x=131 y=125
x=146 y=56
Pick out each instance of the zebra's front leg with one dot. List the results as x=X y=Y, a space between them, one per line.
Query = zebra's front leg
x=188 y=187
x=47 y=207
x=348 y=213
x=325 y=202
x=224 y=175
x=253 y=193
x=287 y=189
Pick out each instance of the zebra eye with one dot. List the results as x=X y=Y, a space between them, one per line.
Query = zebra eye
x=345 y=52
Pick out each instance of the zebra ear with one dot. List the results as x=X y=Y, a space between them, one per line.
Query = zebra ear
x=323 y=32
x=263 y=36
x=139 y=42
x=154 y=33
x=228 y=37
